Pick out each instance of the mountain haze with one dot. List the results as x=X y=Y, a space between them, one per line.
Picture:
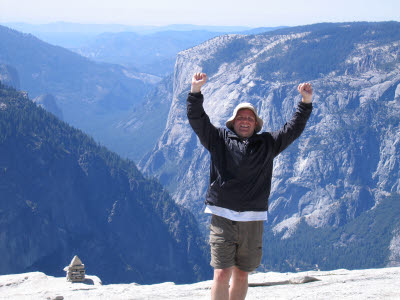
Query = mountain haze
x=9 y=76
x=341 y=174
x=153 y=53
x=92 y=96
x=44 y=67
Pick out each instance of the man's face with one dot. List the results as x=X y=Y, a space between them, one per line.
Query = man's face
x=244 y=123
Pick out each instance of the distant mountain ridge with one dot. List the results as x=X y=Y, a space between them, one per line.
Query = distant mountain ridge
x=92 y=96
x=345 y=164
x=102 y=28
x=75 y=35
x=44 y=67
x=151 y=53
x=61 y=194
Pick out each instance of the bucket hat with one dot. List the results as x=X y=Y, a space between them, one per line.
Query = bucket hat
x=244 y=105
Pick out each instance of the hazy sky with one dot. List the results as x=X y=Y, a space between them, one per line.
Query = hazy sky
x=253 y=13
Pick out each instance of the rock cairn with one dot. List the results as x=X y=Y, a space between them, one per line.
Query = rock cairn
x=75 y=270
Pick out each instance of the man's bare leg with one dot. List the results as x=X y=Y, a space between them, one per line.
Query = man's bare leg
x=239 y=284
x=220 y=287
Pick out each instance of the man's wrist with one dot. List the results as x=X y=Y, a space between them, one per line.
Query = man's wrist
x=194 y=89
x=307 y=101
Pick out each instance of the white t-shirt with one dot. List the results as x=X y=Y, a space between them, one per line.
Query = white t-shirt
x=232 y=215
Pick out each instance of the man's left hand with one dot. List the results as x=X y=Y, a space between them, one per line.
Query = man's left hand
x=305 y=89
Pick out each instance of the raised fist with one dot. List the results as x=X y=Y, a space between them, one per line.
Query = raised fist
x=305 y=89
x=198 y=80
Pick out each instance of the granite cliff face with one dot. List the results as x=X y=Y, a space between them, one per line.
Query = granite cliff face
x=347 y=160
x=144 y=124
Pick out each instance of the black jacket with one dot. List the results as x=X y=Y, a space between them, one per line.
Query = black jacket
x=241 y=170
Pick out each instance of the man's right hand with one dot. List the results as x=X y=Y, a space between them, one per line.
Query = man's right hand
x=198 y=80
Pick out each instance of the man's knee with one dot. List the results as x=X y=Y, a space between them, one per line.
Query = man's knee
x=240 y=275
x=222 y=275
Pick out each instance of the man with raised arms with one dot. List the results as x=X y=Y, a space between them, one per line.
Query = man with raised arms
x=240 y=183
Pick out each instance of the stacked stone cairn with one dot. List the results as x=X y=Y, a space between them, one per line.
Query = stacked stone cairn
x=76 y=270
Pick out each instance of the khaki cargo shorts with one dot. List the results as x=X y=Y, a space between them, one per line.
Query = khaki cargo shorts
x=235 y=243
